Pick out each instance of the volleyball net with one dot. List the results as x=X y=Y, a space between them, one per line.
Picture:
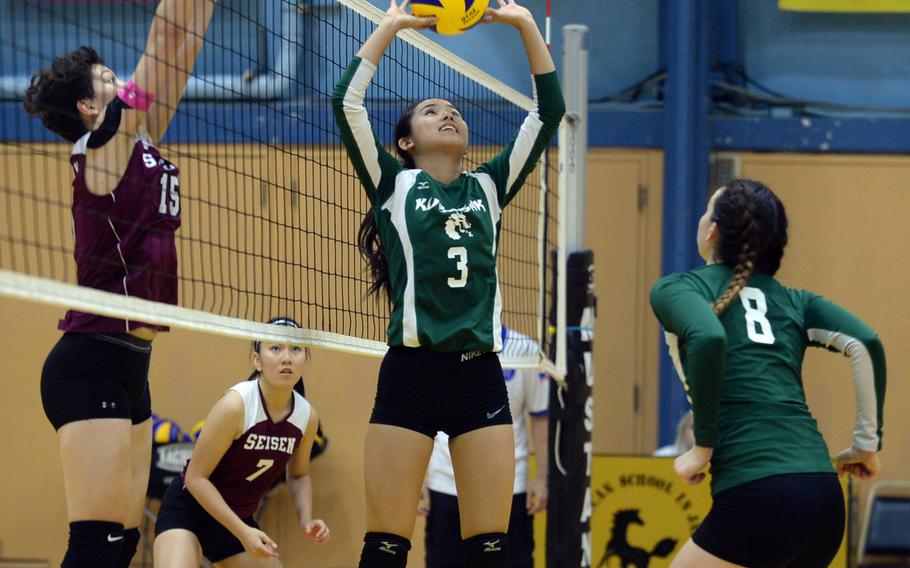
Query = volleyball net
x=270 y=204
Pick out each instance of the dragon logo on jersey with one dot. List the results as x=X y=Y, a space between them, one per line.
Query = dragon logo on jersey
x=456 y=225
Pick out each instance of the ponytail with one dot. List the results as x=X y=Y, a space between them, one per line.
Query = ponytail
x=752 y=227
x=370 y=248
x=368 y=242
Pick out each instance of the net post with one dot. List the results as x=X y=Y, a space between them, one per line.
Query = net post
x=571 y=402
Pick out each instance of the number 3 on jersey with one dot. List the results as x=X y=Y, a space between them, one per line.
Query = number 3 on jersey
x=170 y=196
x=461 y=256
x=758 y=328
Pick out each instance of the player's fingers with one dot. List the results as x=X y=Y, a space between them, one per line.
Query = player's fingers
x=696 y=479
x=270 y=551
x=501 y=3
x=404 y=5
x=268 y=541
x=261 y=551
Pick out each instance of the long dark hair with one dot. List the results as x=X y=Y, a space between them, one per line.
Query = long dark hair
x=256 y=345
x=752 y=226
x=368 y=242
x=54 y=91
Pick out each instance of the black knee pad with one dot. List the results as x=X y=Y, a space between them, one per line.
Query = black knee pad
x=93 y=544
x=128 y=550
x=384 y=550
x=490 y=550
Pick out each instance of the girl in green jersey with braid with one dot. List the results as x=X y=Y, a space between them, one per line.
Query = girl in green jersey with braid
x=737 y=337
x=431 y=240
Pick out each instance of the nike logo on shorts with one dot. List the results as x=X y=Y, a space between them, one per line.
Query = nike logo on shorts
x=493 y=414
x=111 y=538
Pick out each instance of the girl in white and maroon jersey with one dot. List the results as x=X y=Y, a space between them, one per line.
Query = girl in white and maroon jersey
x=126 y=209
x=258 y=429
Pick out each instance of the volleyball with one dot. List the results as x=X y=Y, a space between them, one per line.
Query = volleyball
x=452 y=16
x=166 y=431
x=196 y=430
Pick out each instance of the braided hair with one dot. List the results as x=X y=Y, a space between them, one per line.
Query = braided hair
x=752 y=228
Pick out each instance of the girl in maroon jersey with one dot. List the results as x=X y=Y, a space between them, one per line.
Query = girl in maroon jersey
x=126 y=208
x=256 y=430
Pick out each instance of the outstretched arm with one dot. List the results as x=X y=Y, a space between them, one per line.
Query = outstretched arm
x=160 y=76
x=174 y=43
x=517 y=160
x=521 y=18
x=371 y=161
x=396 y=19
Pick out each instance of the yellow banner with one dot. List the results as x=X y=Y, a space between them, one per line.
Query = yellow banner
x=642 y=513
x=889 y=6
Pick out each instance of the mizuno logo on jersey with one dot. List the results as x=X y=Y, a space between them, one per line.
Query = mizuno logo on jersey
x=456 y=225
x=431 y=203
x=276 y=443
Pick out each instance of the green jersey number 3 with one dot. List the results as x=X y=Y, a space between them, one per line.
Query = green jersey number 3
x=460 y=254
x=758 y=328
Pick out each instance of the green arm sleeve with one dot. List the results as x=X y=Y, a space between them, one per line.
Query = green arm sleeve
x=375 y=167
x=831 y=326
x=511 y=166
x=697 y=342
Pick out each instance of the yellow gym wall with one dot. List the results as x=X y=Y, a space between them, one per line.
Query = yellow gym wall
x=846 y=233
x=848 y=230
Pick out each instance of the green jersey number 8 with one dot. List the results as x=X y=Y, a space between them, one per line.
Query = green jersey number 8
x=758 y=328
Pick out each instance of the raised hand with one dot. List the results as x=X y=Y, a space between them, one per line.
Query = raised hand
x=400 y=19
x=858 y=463
x=509 y=12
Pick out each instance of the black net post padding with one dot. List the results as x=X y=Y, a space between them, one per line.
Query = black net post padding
x=571 y=420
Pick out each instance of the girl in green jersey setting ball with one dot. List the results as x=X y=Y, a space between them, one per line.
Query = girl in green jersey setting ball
x=431 y=239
